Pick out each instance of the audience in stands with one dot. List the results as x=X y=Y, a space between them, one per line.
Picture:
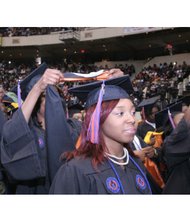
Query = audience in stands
x=30 y=31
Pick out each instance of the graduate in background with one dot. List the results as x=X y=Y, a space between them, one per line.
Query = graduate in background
x=176 y=150
x=104 y=162
x=149 y=109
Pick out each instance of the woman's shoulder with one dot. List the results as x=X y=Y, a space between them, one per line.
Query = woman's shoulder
x=80 y=164
x=85 y=166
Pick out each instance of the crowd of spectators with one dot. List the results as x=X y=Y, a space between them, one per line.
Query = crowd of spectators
x=168 y=80
x=10 y=73
x=29 y=31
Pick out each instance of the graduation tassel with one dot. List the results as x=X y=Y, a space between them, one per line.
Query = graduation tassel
x=93 y=129
x=171 y=120
x=143 y=114
x=19 y=95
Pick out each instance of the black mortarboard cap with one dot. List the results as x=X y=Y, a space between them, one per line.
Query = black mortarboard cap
x=185 y=99
x=148 y=103
x=96 y=93
x=75 y=108
x=27 y=83
x=162 y=117
x=115 y=88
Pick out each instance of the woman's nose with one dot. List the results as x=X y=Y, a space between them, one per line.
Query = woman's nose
x=130 y=118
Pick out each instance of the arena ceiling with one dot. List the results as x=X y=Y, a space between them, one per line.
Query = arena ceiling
x=133 y=47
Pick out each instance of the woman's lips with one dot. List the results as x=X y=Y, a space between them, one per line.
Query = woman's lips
x=130 y=130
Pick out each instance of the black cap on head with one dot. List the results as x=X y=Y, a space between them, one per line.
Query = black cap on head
x=185 y=99
x=27 y=83
x=74 y=108
x=162 y=117
x=149 y=103
x=96 y=93
x=115 y=88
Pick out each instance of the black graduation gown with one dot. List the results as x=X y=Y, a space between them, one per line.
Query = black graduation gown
x=176 y=150
x=2 y=121
x=154 y=186
x=24 y=154
x=2 y=184
x=143 y=129
x=79 y=177
x=75 y=127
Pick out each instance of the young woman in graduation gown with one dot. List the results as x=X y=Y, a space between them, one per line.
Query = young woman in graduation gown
x=104 y=163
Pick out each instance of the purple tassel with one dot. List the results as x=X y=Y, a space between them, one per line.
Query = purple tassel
x=19 y=95
x=93 y=128
x=171 y=120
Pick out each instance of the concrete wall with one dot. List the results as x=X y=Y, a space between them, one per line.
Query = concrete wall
x=179 y=58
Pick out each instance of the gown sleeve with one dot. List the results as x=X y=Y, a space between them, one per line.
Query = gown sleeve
x=19 y=154
x=2 y=121
x=176 y=146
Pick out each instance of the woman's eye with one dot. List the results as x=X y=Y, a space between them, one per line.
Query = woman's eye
x=133 y=113
x=120 y=113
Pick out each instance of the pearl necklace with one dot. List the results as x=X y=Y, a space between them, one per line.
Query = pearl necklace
x=125 y=155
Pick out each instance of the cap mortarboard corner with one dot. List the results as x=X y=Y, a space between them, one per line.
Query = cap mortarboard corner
x=27 y=83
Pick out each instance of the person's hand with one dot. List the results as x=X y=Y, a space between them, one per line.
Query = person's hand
x=50 y=77
x=115 y=73
x=152 y=140
x=140 y=154
x=149 y=151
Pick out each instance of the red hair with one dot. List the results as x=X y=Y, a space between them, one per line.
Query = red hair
x=86 y=148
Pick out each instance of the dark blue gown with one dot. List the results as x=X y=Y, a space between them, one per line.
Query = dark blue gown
x=24 y=154
x=79 y=177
